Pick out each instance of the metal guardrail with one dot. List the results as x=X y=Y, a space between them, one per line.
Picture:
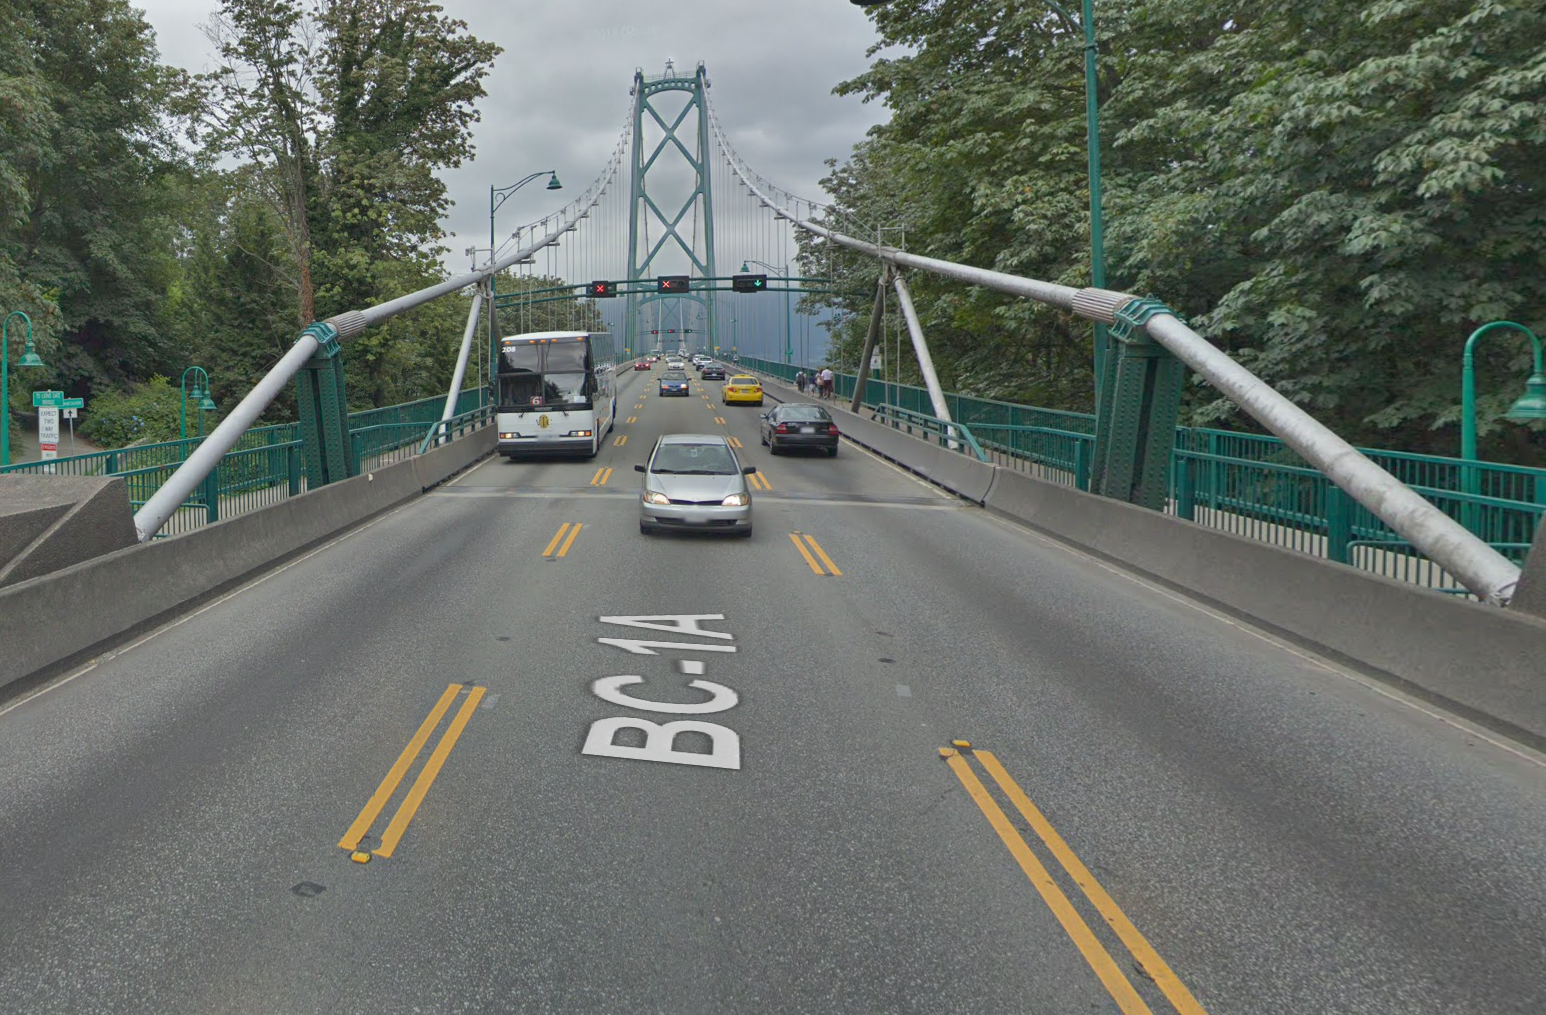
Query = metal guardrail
x=443 y=430
x=1255 y=487
x=267 y=465
x=945 y=433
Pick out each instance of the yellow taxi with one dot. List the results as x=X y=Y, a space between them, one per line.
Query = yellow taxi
x=741 y=388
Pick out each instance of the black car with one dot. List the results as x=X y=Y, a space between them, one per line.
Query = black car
x=712 y=372
x=673 y=382
x=795 y=425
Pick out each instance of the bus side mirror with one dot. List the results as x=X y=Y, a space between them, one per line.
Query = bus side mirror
x=638 y=468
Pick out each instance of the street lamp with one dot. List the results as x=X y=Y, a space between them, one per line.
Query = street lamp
x=1092 y=145
x=497 y=196
x=29 y=358
x=788 y=306
x=200 y=395
x=1530 y=405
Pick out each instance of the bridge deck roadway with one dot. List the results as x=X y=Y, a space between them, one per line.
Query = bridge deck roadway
x=1287 y=838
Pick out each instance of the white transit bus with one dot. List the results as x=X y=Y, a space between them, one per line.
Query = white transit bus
x=556 y=393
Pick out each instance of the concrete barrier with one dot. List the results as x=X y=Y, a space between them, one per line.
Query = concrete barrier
x=1482 y=661
x=1530 y=597
x=52 y=620
x=51 y=522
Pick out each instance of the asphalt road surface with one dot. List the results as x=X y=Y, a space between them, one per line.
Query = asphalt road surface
x=1159 y=810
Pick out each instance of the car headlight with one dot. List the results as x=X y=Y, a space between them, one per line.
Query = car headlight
x=651 y=497
x=736 y=500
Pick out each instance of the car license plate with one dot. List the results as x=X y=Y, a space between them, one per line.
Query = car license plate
x=696 y=519
x=807 y=429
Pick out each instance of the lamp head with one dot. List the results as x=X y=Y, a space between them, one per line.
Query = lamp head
x=30 y=358
x=745 y=266
x=553 y=183
x=207 y=404
x=1532 y=404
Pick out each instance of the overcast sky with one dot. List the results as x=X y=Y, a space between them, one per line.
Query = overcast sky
x=558 y=95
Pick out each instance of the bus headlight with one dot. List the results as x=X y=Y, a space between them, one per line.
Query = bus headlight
x=651 y=497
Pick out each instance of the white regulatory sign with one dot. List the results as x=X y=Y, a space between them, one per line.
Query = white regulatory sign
x=70 y=413
x=48 y=424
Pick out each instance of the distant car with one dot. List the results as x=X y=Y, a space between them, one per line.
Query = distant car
x=712 y=372
x=673 y=382
x=742 y=388
x=695 y=482
x=675 y=364
x=642 y=364
x=797 y=425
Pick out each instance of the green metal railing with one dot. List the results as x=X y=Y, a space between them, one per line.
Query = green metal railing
x=442 y=430
x=1250 y=485
x=955 y=436
x=267 y=465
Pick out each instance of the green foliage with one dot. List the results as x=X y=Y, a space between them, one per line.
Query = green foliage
x=1337 y=193
x=83 y=152
x=146 y=413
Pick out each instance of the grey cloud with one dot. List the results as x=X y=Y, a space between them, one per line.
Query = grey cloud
x=558 y=95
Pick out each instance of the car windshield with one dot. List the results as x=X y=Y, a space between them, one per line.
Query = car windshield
x=694 y=459
x=674 y=375
x=815 y=412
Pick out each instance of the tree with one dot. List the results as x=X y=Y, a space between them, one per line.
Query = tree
x=347 y=108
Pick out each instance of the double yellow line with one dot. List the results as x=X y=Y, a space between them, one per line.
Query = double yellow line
x=566 y=536
x=814 y=547
x=1100 y=960
x=602 y=475
x=410 y=805
x=757 y=481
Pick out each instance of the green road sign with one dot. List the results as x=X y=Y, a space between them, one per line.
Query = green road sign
x=42 y=399
x=73 y=403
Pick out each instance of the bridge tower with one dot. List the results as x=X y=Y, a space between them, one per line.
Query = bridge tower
x=671 y=156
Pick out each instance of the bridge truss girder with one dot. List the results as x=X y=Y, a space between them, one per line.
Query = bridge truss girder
x=641 y=205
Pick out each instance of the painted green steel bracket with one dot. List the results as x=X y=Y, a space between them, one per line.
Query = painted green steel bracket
x=1135 y=428
x=324 y=410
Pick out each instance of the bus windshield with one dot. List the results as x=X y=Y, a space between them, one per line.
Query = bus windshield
x=543 y=374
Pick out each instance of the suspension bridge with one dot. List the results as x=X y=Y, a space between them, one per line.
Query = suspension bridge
x=1003 y=709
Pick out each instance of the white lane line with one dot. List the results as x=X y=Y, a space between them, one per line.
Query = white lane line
x=903 y=691
x=692 y=666
x=1455 y=722
x=115 y=653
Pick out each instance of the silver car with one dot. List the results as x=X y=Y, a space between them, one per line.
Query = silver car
x=695 y=482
